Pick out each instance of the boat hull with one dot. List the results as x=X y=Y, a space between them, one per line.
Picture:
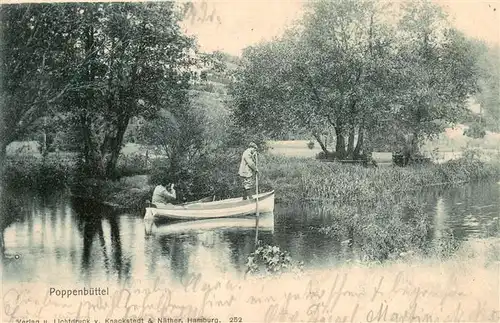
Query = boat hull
x=230 y=208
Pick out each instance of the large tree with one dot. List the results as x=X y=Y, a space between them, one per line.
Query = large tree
x=357 y=69
x=100 y=63
x=138 y=64
x=436 y=72
x=489 y=86
x=319 y=77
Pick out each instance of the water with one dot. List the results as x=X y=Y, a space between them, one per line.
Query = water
x=52 y=238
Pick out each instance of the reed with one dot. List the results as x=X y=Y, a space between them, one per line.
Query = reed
x=304 y=179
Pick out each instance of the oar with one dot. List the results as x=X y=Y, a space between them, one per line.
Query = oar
x=256 y=203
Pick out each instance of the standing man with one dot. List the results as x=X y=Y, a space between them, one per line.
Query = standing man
x=248 y=169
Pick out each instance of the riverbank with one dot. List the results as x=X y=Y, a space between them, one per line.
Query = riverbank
x=376 y=210
x=309 y=179
x=293 y=179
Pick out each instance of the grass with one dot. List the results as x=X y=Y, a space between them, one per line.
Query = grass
x=293 y=178
x=375 y=209
x=446 y=146
x=307 y=179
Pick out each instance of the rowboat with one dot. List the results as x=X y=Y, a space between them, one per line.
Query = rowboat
x=229 y=208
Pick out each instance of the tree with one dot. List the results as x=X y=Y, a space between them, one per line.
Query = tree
x=436 y=73
x=179 y=138
x=357 y=69
x=488 y=95
x=138 y=64
x=34 y=73
x=326 y=75
x=101 y=64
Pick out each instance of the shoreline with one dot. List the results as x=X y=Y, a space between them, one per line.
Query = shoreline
x=293 y=178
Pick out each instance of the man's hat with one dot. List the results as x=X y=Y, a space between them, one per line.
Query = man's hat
x=252 y=145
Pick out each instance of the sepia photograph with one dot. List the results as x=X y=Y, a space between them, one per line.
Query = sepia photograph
x=250 y=161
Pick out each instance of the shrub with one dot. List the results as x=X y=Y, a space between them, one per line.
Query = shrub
x=298 y=178
x=269 y=259
x=132 y=164
x=476 y=130
x=38 y=172
x=381 y=230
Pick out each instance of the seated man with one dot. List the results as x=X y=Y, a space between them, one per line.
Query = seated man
x=163 y=196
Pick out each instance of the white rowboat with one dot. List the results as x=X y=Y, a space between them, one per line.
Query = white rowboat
x=235 y=207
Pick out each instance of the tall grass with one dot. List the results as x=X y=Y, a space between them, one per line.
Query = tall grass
x=298 y=178
x=375 y=210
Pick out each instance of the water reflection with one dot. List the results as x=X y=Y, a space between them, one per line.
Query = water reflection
x=208 y=246
x=49 y=237
x=99 y=228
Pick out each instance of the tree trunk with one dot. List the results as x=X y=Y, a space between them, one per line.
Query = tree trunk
x=3 y=157
x=414 y=143
x=87 y=148
x=350 y=143
x=90 y=166
x=359 y=144
x=321 y=144
x=116 y=146
x=414 y=149
x=340 y=150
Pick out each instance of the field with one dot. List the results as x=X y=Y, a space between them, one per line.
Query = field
x=298 y=148
x=449 y=145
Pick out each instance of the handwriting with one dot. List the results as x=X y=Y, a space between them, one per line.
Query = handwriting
x=337 y=297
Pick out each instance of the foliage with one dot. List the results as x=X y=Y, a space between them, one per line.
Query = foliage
x=132 y=164
x=269 y=259
x=489 y=83
x=476 y=130
x=34 y=72
x=96 y=64
x=348 y=69
x=128 y=193
x=433 y=90
x=38 y=172
x=382 y=229
x=180 y=138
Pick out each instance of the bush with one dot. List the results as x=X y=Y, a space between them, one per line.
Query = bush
x=328 y=156
x=271 y=260
x=132 y=164
x=476 y=130
x=33 y=171
x=381 y=229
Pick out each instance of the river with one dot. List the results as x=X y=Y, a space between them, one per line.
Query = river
x=52 y=238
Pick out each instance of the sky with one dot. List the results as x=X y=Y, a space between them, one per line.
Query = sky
x=237 y=24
